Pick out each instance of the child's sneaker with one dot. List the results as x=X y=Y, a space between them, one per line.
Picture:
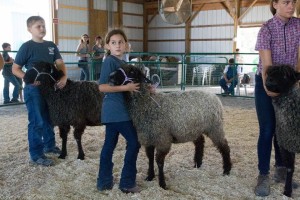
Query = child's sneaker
x=262 y=188
x=44 y=161
x=55 y=150
x=135 y=189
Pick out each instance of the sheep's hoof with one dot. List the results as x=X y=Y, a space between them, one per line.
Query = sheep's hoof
x=197 y=165
x=226 y=173
x=163 y=186
x=80 y=157
x=288 y=194
x=61 y=156
x=149 y=178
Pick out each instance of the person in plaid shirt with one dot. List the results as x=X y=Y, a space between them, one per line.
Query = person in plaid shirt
x=278 y=42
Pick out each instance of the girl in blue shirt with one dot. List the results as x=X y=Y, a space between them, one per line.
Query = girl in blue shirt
x=116 y=118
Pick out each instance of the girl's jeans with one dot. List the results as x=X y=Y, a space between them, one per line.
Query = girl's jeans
x=128 y=175
x=85 y=72
x=40 y=131
x=266 y=120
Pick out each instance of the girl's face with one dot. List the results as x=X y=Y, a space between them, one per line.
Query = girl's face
x=116 y=45
x=38 y=30
x=285 y=9
x=85 y=38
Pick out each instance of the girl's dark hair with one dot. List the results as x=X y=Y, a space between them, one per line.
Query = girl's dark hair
x=272 y=9
x=114 y=32
x=31 y=20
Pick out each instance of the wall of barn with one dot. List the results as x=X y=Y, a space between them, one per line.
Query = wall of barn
x=211 y=31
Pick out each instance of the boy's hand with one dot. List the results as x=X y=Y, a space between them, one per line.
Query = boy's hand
x=62 y=82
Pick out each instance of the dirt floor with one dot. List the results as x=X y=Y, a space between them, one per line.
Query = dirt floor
x=76 y=179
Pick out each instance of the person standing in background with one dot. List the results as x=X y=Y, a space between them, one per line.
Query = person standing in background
x=83 y=52
x=278 y=42
x=9 y=77
x=98 y=54
x=1 y=62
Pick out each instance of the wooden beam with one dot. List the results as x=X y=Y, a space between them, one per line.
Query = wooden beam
x=120 y=13
x=248 y=9
x=54 y=26
x=146 y=26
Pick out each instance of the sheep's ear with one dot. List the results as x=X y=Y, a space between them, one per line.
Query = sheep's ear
x=298 y=75
x=30 y=76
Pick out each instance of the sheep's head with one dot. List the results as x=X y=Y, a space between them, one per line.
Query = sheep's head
x=43 y=72
x=281 y=78
x=127 y=74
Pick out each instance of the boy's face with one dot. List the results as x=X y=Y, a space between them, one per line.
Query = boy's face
x=38 y=29
x=8 y=48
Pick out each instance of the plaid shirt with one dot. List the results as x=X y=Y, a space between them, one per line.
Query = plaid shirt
x=283 y=39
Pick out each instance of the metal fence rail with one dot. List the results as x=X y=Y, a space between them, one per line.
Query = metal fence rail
x=176 y=71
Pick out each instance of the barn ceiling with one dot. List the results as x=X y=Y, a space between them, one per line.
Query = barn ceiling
x=232 y=6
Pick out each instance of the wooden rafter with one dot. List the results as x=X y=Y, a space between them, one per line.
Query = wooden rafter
x=248 y=9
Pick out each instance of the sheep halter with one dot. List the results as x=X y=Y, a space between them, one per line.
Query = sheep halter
x=40 y=73
x=126 y=77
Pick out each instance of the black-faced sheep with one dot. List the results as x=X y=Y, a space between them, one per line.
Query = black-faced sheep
x=283 y=79
x=165 y=118
x=78 y=104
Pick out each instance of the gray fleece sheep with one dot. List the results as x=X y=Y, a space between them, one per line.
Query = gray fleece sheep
x=78 y=104
x=165 y=118
x=283 y=79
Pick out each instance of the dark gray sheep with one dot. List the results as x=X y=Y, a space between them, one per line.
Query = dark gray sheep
x=178 y=117
x=78 y=104
x=283 y=79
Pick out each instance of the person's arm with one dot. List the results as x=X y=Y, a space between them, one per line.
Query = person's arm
x=131 y=87
x=298 y=63
x=266 y=59
x=63 y=80
x=17 y=71
x=1 y=62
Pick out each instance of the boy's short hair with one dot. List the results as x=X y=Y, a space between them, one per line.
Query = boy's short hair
x=31 y=20
x=5 y=45
x=231 y=60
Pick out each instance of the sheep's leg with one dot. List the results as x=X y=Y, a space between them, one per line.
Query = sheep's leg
x=63 y=132
x=150 y=155
x=78 y=131
x=160 y=160
x=199 y=148
x=289 y=159
x=224 y=149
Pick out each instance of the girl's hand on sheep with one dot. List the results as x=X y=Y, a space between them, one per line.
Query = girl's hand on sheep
x=133 y=87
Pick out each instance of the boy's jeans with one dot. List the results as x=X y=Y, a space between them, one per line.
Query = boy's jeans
x=40 y=131
x=266 y=120
x=10 y=79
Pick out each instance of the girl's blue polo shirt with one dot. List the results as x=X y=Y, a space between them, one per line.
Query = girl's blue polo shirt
x=113 y=107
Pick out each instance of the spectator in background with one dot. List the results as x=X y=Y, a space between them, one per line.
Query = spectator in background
x=1 y=62
x=230 y=77
x=127 y=53
x=83 y=52
x=98 y=54
x=9 y=77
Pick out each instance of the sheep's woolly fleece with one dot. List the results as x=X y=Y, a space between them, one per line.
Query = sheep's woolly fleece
x=76 y=179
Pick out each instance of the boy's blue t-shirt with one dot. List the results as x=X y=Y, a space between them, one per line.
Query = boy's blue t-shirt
x=113 y=108
x=32 y=52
